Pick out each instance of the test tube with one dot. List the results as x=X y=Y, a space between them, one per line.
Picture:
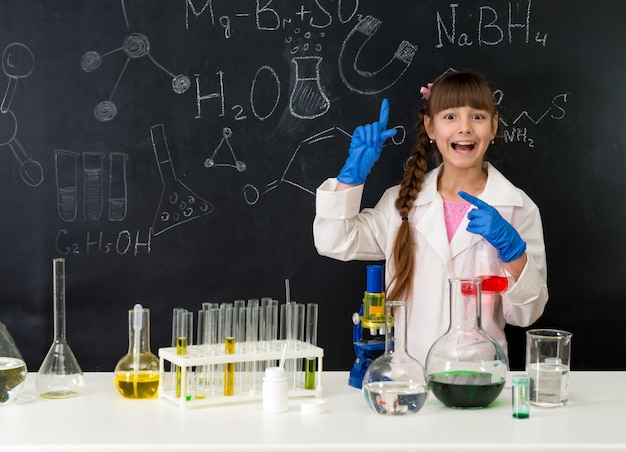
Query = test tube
x=298 y=335
x=241 y=338
x=311 y=338
x=252 y=337
x=180 y=334
x=229 y=349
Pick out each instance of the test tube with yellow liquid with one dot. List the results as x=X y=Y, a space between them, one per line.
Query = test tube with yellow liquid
x=229 y=368
x=374 y=300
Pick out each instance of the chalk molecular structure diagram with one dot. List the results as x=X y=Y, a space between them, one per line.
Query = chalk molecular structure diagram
x=135 y=45
x=17 y=62
x=210 y=162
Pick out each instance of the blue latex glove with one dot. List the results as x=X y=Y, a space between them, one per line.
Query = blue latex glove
x=367 y=142
x=486 y=221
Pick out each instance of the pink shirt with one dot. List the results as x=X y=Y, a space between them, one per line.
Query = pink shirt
x=454 y=212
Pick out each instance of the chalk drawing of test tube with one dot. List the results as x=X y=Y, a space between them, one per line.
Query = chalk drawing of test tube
x=366 y=82
x=178 y=204
x=17 y=62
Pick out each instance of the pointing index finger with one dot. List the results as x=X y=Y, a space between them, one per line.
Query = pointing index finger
x=384 y=114
x=472 y=199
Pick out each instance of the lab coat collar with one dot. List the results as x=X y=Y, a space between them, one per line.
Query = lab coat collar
x=498 y=192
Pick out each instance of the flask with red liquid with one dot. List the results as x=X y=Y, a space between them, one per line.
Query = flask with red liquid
x=482 y=262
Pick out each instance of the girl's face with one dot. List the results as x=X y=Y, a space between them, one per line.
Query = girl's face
x=462 y=135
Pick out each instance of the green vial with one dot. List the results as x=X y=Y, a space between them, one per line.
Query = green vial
x=519 y=400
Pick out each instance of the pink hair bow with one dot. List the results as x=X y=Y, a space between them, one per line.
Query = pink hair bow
x=425 y=91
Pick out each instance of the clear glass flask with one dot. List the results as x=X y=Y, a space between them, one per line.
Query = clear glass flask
x=395 y=383
x=12 y=369
x=137 y=373
x=59 y=376
x=466 y=367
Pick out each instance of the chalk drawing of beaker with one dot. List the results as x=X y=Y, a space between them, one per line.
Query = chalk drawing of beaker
x=308 y=100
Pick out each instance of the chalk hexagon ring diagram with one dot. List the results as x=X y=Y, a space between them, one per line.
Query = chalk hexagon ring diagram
x=367 y=82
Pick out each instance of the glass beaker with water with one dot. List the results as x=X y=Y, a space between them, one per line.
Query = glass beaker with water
x=395 y=383
x=12 y=369
x=137 y=372
x=466 y=367
x=59 y=376
x=548 y=354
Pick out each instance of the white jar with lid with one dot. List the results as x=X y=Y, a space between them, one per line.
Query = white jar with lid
x=275 y=390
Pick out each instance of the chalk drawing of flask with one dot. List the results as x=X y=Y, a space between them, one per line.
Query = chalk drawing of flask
x=308 y=100
x=178 y=204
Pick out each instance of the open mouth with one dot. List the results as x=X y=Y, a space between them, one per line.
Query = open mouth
x=463 y=146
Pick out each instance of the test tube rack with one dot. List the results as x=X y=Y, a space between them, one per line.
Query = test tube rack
x=196 y=379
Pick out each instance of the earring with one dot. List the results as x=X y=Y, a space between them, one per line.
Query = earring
x=493 y=141
x=430 y=141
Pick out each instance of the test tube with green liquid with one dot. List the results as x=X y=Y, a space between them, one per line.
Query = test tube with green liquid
x=311 y=338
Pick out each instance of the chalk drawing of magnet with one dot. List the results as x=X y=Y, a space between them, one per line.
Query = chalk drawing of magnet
x=316 y=158
x=178 y=203
x=66 y=168
x=368 y=82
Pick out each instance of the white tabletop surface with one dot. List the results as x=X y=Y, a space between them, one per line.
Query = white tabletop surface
x=101 y=420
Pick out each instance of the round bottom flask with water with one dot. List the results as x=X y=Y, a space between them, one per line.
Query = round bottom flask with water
x=395 y=383
x=466 y=367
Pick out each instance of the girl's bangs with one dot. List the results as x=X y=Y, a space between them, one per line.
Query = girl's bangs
x=454 y=92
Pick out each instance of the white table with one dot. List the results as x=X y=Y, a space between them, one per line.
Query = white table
x=101 y=420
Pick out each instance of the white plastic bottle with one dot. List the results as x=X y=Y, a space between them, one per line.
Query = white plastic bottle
x=275 y=391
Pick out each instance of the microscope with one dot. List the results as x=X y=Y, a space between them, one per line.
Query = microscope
x=371 y=317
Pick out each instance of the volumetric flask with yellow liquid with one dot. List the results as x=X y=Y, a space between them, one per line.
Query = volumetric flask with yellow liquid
x=137 y=373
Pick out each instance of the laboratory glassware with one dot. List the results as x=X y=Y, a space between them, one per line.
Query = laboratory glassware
x=482 y=262
x=59 y=376
x=137 y=372
x=466 y=367
x=520 y=390
x=395 y=383
x=310 y=364
x=12 y=369
x=548 y=355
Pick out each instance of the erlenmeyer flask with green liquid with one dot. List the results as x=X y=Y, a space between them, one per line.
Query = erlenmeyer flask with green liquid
x=59 y=376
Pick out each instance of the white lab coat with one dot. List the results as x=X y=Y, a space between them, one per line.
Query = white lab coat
x=342 y=232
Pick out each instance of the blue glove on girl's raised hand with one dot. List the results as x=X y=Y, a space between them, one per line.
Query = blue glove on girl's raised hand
x=367 y=142
x=486 y=221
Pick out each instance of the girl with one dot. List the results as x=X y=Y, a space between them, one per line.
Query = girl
x=461 y=219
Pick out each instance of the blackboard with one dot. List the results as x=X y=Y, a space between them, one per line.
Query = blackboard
x=170 y=151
